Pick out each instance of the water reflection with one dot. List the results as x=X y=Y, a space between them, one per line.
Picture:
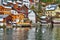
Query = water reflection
x=9 y=34
x=23 y=34
x=1 y=34
x=44 y=33
x=15 y=33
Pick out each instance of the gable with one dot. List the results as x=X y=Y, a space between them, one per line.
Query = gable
x=31 y=12
x=24 y=8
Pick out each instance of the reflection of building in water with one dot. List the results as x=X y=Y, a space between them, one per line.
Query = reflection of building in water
x=20 y=34
x=9 y=34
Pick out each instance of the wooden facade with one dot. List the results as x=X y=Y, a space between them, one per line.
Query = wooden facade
x=4 y=10
x=24 y=10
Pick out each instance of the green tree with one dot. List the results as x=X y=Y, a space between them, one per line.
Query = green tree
x=47 y=1
x=32 y=7
x=57 y=1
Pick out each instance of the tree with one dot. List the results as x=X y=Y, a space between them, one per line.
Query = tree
x=32 y=7
x=47 y=1
x=57 y=1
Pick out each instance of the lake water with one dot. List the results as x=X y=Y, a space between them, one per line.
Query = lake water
x=17 y=34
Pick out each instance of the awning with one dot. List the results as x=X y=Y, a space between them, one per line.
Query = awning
x=9 y=1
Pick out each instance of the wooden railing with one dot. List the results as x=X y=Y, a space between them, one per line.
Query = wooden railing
x=4 y=10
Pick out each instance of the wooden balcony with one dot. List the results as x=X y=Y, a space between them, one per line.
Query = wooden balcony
x=4 y=10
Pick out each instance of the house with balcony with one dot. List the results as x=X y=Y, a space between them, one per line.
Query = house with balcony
x=50 y=10
x=53 y=11
x=16 y=14
x=14 y=19
x=3 y=14
x=15 y=6
x=23 y=9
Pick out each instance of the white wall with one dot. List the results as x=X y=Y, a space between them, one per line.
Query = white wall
x=32 y=17
x=1 y=19
x=1 y=24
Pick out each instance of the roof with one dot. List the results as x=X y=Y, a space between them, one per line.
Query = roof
x=20 y=5
x=29 y=11
x=5 y=3
x=14 y=2
x=9 y=1
x=7 y=7
x=19 y=1
x=51 y=7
